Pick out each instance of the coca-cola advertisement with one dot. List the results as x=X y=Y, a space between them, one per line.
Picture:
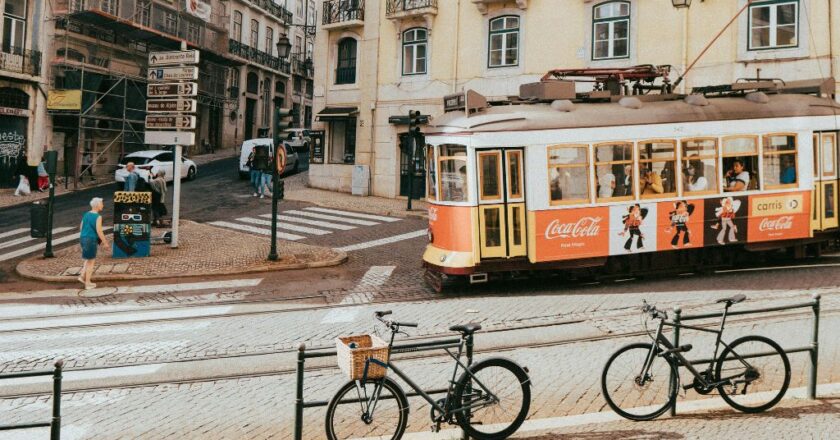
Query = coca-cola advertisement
x=566 y=234
x=633 y=228
x=779 y=217
x=725 y=220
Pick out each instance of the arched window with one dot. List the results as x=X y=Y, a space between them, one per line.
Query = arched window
x=237 y=26
x=13 y=98
x=255 y=34
x=345 y=72
x=267 y=102
x=253 y=83
x=504 y=42
x=414 y=43
x=611 y=30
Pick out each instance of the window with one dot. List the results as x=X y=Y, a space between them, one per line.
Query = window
x=237 y=26
x=193 y=32
x=829 y=148
x=111 y=7
x=343 y=141
x=699 y=159
x=779 y=160
x=568 y=174
x=611 y=30
x=657 y=168
x=14 y=26
x=414 y=51
x=452 y=172
x=774 y=25
x=504 y=42
x=234 y=84
x=614 y=171
x=490 y=175
x=269 y=40
x=431 y=179
x=143 y=12
x=345 y=72
x=267 y=103
x=740 y=163
x=255 y=34
x=298 y=45
x=170 y=22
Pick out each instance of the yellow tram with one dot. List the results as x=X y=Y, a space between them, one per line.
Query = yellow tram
x=605 y=181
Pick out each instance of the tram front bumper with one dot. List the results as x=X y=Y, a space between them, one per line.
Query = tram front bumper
x=448 y=262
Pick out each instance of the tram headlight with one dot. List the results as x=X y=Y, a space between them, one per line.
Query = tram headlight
x=431 y=235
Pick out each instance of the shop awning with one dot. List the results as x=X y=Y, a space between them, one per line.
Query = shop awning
x=333 y=113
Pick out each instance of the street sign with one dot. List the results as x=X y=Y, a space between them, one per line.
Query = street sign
x=174 y=74
x=177 y=121
x=171 y=105
x=173 y=58
x=170 y=137
x=172 y=89
x=281 y=159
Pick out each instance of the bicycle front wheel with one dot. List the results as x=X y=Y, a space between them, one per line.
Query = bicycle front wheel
x=636 y=394
x=488 y=418
x=756 y=371
x=377 y=408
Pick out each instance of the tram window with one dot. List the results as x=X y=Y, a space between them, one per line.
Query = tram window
x=431 y=179
x=452 y=173
x=614 y=171
x=816 y=145
x=657 y=168
x=740 y=163
x=699 y=165
x=568 y=174
x=490 y=175
x=779 y=160
x=829 y=148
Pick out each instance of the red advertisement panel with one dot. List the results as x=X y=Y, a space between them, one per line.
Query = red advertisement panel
x=568 y=234
x=679 y=224
x=451 y=227
x=779 y=217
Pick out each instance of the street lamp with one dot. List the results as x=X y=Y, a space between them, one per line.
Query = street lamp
x=681 y=3
x=283 y=47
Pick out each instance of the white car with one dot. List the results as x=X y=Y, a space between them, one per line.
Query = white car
x=292 y=161
x=148 y=163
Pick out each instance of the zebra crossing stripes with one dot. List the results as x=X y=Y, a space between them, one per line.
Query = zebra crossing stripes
x=27 y=238
x=255 y=230
x=353 y=214
x=288 y=218
x=352 y=221
x=13 y=232
x=296 y=228
x=72 y=234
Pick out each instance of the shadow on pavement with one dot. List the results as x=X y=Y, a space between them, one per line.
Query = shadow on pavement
x=629 y=434
x=806 y=407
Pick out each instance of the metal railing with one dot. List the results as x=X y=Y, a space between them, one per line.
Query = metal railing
x=302 y=66
x=274 y=9
x=301 y=404
x=345 y=75
x=258 y=56
x=812 y=349
x=338 y=11
x=17 y=60
x=395 y=6
x=55 y=423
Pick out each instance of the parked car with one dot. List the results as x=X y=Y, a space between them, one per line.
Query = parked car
x=297 y=138
x=292 y=162
x=148 y=163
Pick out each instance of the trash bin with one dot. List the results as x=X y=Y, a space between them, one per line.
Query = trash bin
x=38 y=220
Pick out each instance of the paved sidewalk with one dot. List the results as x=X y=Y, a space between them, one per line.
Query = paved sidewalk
x=202 y=250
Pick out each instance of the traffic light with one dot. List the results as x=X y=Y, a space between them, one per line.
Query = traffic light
x=413 y=123
x=284 y=118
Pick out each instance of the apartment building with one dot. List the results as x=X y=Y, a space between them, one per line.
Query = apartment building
x=375 y=61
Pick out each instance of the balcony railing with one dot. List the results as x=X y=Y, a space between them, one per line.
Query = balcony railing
x=302 y=66
x=397 y=6
x=17 y=60
x=258 y=56
x=274 y=9
x=345 y=75
x=338 y=11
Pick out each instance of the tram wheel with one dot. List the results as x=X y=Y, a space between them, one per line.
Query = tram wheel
x=434 y=280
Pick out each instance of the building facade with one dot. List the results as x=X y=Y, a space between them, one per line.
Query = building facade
x=378 y=60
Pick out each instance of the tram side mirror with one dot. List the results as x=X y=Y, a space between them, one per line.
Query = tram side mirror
x=51 y=158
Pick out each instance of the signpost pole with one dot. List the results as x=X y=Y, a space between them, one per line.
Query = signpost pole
x=176 y=183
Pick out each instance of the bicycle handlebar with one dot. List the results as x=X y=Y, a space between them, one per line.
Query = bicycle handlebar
x=652 y=311
x=392 y=324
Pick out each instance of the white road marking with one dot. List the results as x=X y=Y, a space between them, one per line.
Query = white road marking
x=374 y=277
x=758 y=269
x=352 y=221
x=262 y=231
x=353 y=214
x=307 y=221
x=25 y=239
x=383 y=241
x=39 y=246
x=343 y=314
x=113 y=318
x=13 y=232
x=280 y=225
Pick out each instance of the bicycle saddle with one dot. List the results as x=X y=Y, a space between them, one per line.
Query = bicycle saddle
x=732 y=299
x=466 y=329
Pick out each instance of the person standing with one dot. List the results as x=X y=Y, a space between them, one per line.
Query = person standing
x=158 y=186
x=43 y=176
x=130 y=178
x=90 y=237
x=256 y=174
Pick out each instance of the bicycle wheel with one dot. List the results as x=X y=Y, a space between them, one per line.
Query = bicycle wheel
x=758 y=371
x=346 y=413
x=493 y=420
x=635 y=397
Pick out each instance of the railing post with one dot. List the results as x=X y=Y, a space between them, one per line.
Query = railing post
x=676 y=342
x=55 y=423
x=815 y=345
x=468 y=390
x=298 y=435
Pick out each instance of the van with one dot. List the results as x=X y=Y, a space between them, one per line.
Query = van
x=292 y=162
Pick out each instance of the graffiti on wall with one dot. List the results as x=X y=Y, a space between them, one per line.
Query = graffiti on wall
x=11 y=144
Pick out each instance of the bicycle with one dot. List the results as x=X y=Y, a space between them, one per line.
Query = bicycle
x=640 y=381
x=489 y=401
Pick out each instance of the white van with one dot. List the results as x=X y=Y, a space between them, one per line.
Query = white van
x=248 y=147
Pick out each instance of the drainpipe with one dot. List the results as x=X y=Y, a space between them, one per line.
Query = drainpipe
x=457 y=47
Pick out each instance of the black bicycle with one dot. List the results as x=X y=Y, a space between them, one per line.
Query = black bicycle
x=489 y=401
x=640 y=381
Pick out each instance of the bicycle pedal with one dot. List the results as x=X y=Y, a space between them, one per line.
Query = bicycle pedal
x=436 y=427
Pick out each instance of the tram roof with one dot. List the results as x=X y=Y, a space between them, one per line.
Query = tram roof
x=526 y=117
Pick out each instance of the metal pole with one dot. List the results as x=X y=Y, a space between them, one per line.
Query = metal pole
x=464 y=435
x=48 y=251
x=272 y=255
x=677 y=312
x=55 y=423
x=176 y=184
x=411 y=170
x=298 y=434
x=812 y=374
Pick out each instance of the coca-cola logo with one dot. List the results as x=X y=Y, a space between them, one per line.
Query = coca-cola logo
x=783 y=223
x=584 y=227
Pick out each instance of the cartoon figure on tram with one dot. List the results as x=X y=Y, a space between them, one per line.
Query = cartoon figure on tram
x=679 y=221
x=632 y=225
x=726 y=215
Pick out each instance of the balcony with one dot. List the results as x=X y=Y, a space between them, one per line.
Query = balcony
x=302 y=66
x=257 y=56
x=399 y=10
x=343 y=14
x=16 y=60
x=482 y=4
x=274 y=9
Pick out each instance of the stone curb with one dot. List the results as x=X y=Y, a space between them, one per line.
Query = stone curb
x=418 y=214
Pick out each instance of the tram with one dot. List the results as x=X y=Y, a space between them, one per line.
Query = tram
x=607 y=182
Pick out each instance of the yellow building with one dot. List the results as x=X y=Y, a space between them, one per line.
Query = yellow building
x=377 y=60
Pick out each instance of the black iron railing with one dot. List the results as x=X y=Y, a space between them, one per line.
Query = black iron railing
x=345 y=75
x=55 y=421
x=17 y=60
x=338 y=11
x=302 y=66
x=395 y=6
x=258 y=56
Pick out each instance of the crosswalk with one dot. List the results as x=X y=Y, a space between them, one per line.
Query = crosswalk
x=17 y=242
x=309 y=222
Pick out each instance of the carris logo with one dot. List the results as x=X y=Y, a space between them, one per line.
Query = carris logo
x=585 y=227
x=780 y=224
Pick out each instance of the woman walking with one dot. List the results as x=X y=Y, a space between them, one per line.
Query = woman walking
x=158 y=185
x=90 y=237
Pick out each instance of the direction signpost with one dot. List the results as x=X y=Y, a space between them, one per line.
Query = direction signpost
x=174 y=74
x=171 y=105
x=182 y=122
x=172 y=89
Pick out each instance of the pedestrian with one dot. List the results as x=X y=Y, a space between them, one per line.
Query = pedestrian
x=130 y=178
x=158 y=185
x=90 y=237
x=256 y=174
x=265 y=183
x=43 y=177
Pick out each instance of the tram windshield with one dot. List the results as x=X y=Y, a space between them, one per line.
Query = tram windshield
x=453 y=173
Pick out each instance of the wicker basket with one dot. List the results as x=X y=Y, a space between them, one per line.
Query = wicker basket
x=352 y=360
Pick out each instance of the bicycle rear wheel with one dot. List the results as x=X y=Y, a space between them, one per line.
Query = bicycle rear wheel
x=493 y=420
x=346 y=416
x=634 y=394
x=758 y=371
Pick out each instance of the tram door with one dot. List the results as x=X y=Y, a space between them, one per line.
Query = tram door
x=824 y=196
x=501 y=203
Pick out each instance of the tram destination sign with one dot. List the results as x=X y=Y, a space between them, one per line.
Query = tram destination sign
x=186 y=122
x=170 y=138
x=173 y=58
x=172 y=89
x=171 y=105
x=174 y=74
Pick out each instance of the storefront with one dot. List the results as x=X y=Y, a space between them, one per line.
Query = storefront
x=14 y=142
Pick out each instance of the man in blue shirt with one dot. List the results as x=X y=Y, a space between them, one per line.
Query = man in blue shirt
x=131 y=178
x=788 y=171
